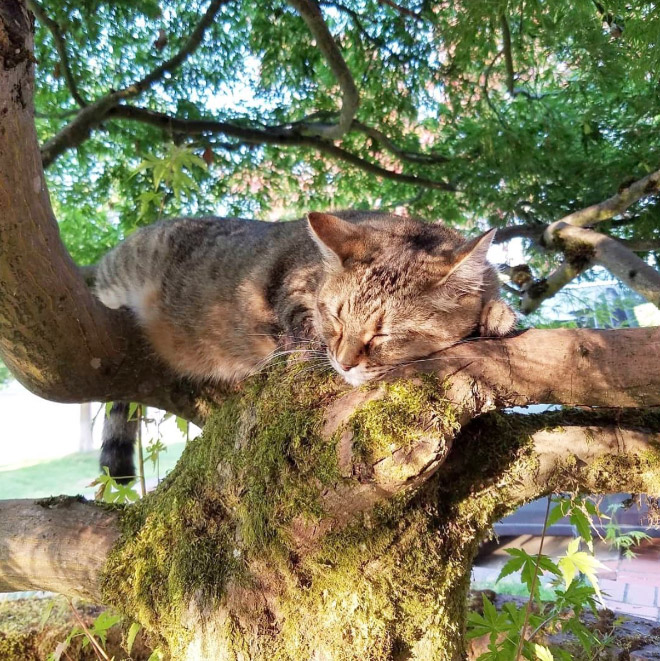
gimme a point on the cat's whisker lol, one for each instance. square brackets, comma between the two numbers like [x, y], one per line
[309, 355]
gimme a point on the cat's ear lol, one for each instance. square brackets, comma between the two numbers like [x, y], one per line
[338, 240]
[469, 263]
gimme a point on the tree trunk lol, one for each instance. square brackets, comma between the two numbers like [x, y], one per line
[311, 523]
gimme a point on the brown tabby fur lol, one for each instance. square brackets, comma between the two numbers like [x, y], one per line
[219, 297]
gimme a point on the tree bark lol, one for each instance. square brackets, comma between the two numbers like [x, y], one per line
[248, 549]
[309, 521]
[57, 544]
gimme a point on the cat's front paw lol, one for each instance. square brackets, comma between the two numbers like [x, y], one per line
[497, 319]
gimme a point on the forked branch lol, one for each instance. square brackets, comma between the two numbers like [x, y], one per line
[311, 14]
[80, 128]
[60, 45]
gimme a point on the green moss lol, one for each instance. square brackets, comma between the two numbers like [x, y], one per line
[16, 647]
[258, 464]
[176, 541]
[408, 411]
[391, 585]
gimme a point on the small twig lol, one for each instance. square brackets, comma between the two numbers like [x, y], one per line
[143, 484]
[100, 653]
[60, 46]
[401, 10]
[491, 105]
[528, 609]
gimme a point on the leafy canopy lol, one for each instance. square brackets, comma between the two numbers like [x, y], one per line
[530, 110]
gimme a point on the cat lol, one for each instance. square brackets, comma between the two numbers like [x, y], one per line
[218, 298]
[117, 442]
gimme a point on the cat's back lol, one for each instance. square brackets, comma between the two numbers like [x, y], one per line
[170, 254]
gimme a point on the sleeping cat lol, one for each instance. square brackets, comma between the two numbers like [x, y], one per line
[218, 298]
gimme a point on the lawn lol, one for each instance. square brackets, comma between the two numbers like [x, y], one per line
[71, 475]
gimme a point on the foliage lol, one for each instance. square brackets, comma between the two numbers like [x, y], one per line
[515, 631]
[575, 118]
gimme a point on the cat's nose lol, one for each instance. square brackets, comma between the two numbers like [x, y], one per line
[346, 367]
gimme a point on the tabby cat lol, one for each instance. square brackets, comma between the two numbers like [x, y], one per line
[220, 297]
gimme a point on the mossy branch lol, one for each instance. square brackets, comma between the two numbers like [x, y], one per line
[301, 498]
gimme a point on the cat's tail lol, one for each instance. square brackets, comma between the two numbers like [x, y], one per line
[117, 449]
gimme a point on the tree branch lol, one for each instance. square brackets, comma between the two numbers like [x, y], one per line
[285, 136]
[402, 10]
[60, 46]
[567, 449]
[532, 231]
[56, 544]
[615, 205]
[508, 57]
[641, 245]
[584, 247]
[393, 148]
[79, 129]
[62, 544]
[540, 290]
[189, 47]
[56, 338]
[572, 367]
[311, 14]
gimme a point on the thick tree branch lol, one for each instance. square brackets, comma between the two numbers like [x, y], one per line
[285, 136]
[57, 544]
[57, 339]
[641, 245]
[311, 14]
[573, 367]
[79, 129]
[60, 45]
[62, 544]
[615, 205]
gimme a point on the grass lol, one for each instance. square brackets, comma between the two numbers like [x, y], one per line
[71, 475]
[516, 589]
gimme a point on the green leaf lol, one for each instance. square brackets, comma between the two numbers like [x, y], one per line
[132, 634]
[542, 653]
[527, 564]
[556, 513]
[46, 614]
[132, 408]
[182, 425]
[582, 522]
[153, 451]
[578, 561]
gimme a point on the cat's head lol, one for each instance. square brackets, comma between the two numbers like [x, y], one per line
[395, 291]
